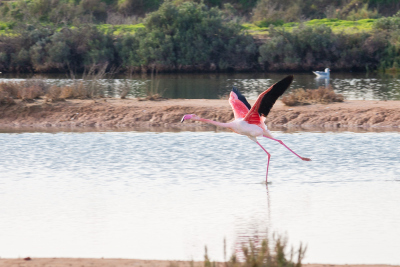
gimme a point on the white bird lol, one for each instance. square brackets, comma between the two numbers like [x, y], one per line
[322, 73]
[249, 121]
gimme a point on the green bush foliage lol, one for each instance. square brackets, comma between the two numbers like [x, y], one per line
[67, 12]
[308, 48]
[300, 10]
[188, 37]
[58, 12]
[45, 49]
[390, 26]
[137, 7]
[192, 36]
[388, 23]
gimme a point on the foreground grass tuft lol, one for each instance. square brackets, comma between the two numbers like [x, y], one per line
[267, 253]
[321, 95]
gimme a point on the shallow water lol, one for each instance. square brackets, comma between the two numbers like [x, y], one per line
[354, 86]
[167, 195]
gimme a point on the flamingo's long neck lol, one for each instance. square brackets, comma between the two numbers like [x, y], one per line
[216, 123]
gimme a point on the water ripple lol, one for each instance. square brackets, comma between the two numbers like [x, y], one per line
[166, 195]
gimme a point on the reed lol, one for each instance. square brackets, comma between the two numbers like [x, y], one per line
[265, 253]
[26, 90]
[5, 98]
[90, 86]
[87, 87]
[9, 89]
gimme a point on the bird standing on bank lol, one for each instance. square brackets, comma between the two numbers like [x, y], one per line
[249, 121]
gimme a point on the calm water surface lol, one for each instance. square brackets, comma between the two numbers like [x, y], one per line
[167, 195]
[354, 86]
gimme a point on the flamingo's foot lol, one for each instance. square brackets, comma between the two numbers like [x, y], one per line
[306, 159]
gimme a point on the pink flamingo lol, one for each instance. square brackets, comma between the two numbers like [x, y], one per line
[249, 120]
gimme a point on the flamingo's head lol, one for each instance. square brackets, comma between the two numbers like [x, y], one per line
[190, 116]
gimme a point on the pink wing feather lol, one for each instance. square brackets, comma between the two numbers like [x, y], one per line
[239, 108]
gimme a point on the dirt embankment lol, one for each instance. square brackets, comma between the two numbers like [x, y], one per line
[81, 262]
[165, 115]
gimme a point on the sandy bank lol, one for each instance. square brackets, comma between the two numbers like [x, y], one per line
[76, 262]
[117, 114]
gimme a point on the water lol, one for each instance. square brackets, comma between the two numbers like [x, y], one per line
[167, 195]
[354, 86]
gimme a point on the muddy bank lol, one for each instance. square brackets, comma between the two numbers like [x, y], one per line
[81, 262]
[131, 114]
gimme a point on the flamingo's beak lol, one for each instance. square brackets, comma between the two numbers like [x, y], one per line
[183, 118]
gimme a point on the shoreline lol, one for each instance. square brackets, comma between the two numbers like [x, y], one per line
[165, 115]
[83, 262]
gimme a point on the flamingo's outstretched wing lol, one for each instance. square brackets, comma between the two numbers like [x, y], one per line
[239, 104]
[266, 100]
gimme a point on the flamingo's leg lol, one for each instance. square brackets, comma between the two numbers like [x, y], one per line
[281, 142]
[269, 157]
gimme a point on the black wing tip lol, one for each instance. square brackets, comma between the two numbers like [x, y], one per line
[287, 80]
[273, 94]
[284, 84]
[241, 97]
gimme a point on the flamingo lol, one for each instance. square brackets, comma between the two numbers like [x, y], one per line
[249, 121]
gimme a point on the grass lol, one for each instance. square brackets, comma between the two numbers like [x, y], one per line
[263, 253]
[321, 95]
[346, 26]
[30, 90]
[89, 87]
[27, 90]
[6, 28]
[337, 26]
[120, 29]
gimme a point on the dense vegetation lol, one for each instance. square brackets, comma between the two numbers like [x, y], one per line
[308, 48]
[183, 35]
[128, 11]
[188, 37]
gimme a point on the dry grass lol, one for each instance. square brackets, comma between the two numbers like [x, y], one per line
[30, 89]
[26, 90]
[308, 96]
[155, 97]
[264, 253]
[76, 91]
[8, 91]
[30, 93]
[5, 98]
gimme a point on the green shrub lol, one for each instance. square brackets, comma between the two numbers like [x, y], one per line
[308, 48]
[138, 7]
[190, 36]
[388, 23]
[267, 22]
